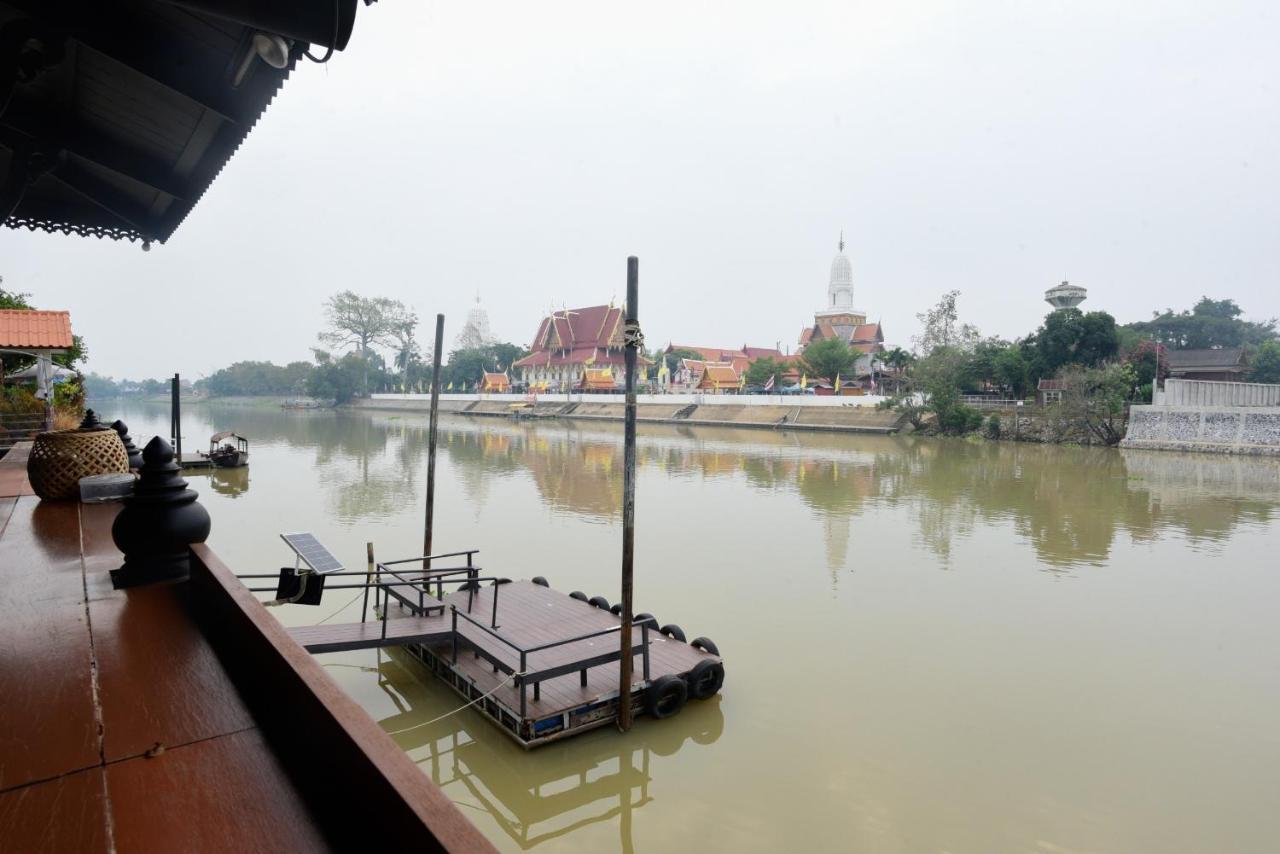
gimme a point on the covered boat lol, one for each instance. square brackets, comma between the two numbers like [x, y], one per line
[228, 450]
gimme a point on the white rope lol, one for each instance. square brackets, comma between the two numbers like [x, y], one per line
[460, 708]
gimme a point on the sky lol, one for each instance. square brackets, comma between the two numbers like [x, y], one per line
[521, 151]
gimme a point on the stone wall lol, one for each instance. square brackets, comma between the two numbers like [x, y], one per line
[1218, 429]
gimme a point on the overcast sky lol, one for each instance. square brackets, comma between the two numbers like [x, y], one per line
[522, 150]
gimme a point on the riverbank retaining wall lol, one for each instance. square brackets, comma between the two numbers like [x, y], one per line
[1216, 429]
[811, 413]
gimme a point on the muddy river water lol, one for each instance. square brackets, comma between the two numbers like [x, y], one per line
[930, 645]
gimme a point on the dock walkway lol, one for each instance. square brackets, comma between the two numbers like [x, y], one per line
[570, 687]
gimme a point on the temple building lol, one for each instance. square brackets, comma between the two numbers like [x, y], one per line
[568, 343]
[839, 318]
[475, 332]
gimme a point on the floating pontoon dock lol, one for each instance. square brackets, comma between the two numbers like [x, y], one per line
[541, 664]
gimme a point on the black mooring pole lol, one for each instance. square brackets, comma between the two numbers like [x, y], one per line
[431, 439]
[632, 342]
[177, 419]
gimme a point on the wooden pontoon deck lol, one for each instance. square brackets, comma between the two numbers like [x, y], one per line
[577, 687]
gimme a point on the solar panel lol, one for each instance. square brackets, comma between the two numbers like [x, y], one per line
[314, 555]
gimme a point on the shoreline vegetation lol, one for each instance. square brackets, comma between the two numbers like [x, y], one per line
[1076, 375]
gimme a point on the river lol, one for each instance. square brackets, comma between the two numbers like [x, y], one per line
[930, 645]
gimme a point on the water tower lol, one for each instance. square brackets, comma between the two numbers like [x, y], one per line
[1065, 295]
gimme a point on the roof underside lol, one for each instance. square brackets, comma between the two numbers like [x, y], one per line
[120, 115]
[1226, 357]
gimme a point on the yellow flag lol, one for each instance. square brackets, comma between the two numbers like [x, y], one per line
[449, 387]
[804, 381]
[837, 383]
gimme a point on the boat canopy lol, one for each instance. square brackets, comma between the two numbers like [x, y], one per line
[226, 434]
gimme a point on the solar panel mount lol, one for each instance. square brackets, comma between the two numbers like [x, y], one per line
[319, 559]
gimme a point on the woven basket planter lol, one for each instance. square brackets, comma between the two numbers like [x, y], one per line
[58, 460]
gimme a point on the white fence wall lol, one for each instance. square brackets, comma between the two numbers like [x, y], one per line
[1215, 393]
[663, 399]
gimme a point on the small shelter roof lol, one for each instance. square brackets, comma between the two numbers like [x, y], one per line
[23, 329]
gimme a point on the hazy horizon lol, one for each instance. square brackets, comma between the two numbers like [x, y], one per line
[523, 152]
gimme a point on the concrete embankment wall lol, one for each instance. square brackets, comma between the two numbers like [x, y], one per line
[1216, 429]
[798, 416]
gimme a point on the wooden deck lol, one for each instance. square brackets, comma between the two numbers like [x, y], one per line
[528, 616]
[177, 716]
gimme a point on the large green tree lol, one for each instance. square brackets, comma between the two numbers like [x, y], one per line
[827, 359]
[1071, 337]
[467, 366]
[1264, 364]
[764, 369]
[1210, 323]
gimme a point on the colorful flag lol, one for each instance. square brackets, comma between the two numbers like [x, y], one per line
[768, 386]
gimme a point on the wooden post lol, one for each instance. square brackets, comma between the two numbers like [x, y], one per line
[431, 439]
[632, 343]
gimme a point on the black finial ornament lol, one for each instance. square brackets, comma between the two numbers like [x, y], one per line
[91, 421]
[842, 240]
[158, 523]
[135, 455]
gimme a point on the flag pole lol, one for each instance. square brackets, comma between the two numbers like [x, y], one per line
[632, 342]
[431, 440]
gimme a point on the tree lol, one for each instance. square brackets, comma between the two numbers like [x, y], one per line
[942, 375]
[1209, 324]
[337, 380]
[827, 359]
[1265, 363]
[468, 366]
[366, 322]
[1011, 371]
[764, 369]
[898, 361]
[1071, 337]
[942, 327]
[1094, 400]
[673, 357]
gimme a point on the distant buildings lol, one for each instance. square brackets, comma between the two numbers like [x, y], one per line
[475, 332]
[570, 343]
[840, 319]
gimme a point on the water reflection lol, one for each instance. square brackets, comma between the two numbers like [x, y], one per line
[1069, 503]
[535, 796]
[231, 482]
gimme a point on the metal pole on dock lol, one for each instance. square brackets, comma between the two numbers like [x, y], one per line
[177, 420]
[632, 342]
[431, 439]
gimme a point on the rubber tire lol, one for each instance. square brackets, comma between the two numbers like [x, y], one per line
[665, 696]
[540, 581]
[647, 618]
[706, 645]
[501, 581]
[468, 585]
[674, 632]
[600, 602]
[705, 679]
[579, 595]
[616, 610]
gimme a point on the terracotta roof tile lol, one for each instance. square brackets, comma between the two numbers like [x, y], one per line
[37, 330]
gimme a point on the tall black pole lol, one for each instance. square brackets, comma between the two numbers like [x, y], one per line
[177, 419]
[431, 439]
[632, 341]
